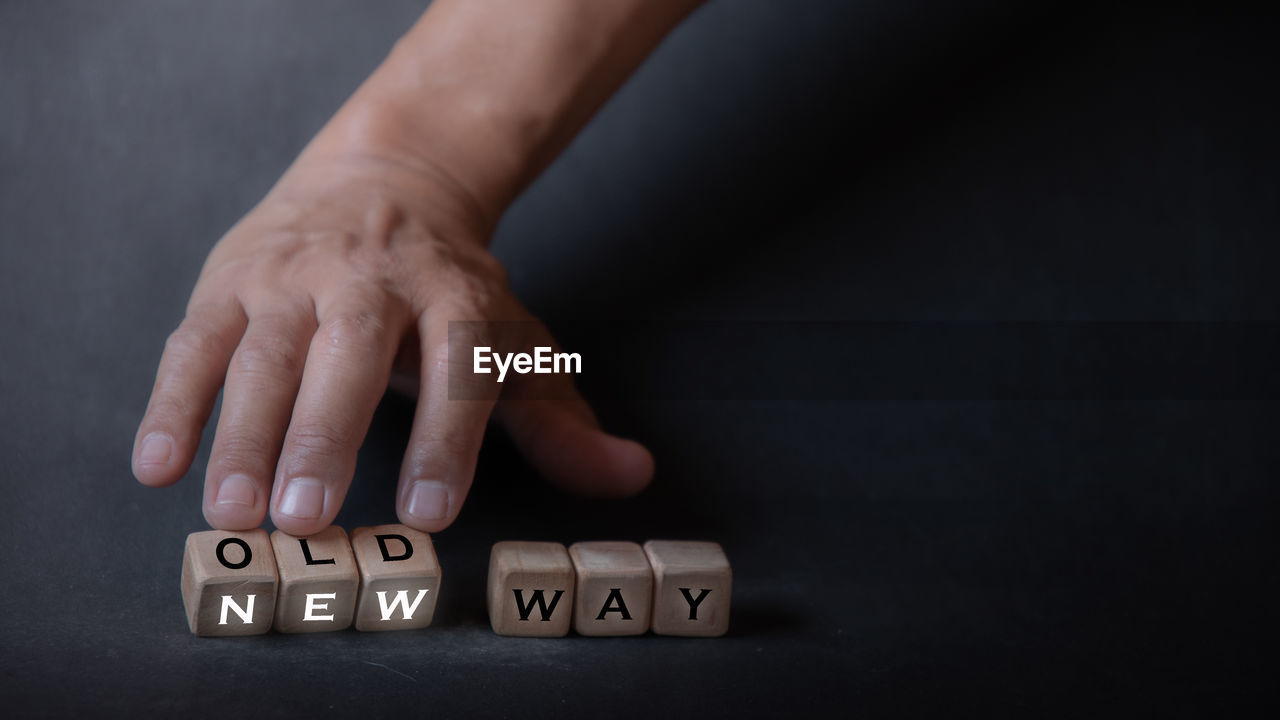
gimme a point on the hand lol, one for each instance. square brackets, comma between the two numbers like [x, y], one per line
[352, 262]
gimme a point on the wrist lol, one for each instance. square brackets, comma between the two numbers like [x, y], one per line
[377, 145]
[453, 132]
[481, 96]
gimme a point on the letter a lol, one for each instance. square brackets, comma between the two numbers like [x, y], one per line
[614, 604]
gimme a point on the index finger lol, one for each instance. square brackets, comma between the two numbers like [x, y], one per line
[191, 371]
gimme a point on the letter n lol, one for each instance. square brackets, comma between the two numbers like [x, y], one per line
[245, 613]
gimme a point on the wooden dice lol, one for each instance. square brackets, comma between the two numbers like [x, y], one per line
[388, 577]
[671, 587]
[229, 583]
[530, 589]
[244, 583]
[691, 584]
[615, 588]
[399, 578]
[318, 581]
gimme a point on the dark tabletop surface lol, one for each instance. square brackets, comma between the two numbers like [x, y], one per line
[953, 322]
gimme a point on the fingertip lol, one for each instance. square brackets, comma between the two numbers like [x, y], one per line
[603, 466]
[153, 460]
[224, 519]
[303, 507]
[297, 527]
[236, 503]
[427, 505]
[152, 477]
[632, 466]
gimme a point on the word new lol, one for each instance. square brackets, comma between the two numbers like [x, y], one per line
[245, 583]
[387, 578]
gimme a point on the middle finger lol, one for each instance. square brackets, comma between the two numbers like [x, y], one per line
[346, 373]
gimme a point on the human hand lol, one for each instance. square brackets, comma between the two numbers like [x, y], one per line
[355, 261]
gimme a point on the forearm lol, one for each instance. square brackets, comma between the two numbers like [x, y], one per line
[485, 93]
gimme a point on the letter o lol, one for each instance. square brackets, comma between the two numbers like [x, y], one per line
[222, 557]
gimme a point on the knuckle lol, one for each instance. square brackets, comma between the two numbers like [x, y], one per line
[464, 337]
[437, 358]
[470, 299]
[485, 269]
[169, 408]
[455, 307]
[190, 341]
[269, 355]
[451, 444]
[318, 437]
[496, 272]
[441, 453]
[242, 450]
[353, 328]
[473, 289]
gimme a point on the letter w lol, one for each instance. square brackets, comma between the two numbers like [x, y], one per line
[537, 599]
[402, 601]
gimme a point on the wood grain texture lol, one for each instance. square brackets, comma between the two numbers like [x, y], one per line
[692, 584]
[229, 582]
[318, 581]
[614, 588]
[399, 578]
[530, 590]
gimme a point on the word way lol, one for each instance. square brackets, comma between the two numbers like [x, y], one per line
[388, 577]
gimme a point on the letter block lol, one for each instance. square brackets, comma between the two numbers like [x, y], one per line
[530, 589]
[318, 581]
[691, 587]
[614, 588]
[229, 582]
[399, 578]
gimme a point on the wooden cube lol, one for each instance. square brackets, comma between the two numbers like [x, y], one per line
[318, 581]
[614, 588]
[399, 578]
[530, 589]
[691, 587]
[229, 582]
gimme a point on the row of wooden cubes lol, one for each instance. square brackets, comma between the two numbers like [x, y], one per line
[244, 583]
[672, 587]
[387, 578]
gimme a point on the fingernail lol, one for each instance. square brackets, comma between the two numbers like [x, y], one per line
[303, 498]
[236, 490]
[157, 448]
[428, 500]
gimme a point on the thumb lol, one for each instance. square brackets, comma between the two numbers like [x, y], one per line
[556, 431]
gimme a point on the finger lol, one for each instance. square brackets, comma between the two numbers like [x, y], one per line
[262, 383]
[191, 371]
[556, 431]
[406, 371]
[345, 375]
[440, 462]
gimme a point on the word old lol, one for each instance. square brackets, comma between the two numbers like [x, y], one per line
[388, 577]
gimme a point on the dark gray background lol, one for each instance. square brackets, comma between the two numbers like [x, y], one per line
[953, 322]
